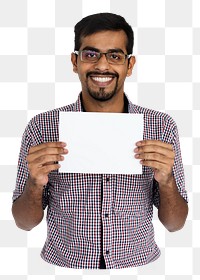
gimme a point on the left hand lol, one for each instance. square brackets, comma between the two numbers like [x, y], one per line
[157, 155]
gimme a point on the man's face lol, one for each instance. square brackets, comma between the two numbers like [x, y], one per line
[102, 80]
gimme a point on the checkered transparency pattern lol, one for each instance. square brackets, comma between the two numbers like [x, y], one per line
[36, 75]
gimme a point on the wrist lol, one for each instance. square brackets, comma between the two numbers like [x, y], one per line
[32, 189]
[169, 186]
[32, 183]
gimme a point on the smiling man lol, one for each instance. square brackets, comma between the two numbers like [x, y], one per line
[101, 220]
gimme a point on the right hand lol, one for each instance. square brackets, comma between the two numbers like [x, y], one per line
[42, 159]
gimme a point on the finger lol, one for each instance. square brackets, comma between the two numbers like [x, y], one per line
[167, 169]
[50, 163]
[155, 157]
[155, 149]
[45, 152]
[47, 145]
[45, 170]
[44, 160]
[40, 175]
[154, 143]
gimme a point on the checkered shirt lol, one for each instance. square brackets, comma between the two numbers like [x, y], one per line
[74, 212]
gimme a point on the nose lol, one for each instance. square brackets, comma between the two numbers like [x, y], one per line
[102, 64]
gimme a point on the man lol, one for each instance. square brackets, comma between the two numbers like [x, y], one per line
[98, 220]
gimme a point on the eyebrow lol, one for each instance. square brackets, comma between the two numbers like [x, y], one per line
[97, 50]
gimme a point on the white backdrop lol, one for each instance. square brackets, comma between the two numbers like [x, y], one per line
[36, 40]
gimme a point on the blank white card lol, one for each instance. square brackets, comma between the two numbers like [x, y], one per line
[100, 143]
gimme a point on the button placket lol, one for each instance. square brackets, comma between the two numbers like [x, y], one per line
[107, 199]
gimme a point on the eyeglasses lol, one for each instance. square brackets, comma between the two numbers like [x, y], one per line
[90, 56]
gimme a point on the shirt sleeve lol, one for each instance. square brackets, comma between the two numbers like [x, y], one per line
[170, 135]
[31, 137]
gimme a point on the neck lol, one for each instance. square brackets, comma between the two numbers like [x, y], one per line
[114, 105]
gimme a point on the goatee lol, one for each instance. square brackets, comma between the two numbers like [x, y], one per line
[101, 94]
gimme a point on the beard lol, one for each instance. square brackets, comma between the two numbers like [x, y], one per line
[102, 94]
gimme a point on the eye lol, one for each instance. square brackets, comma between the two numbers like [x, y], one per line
[115, 56]
[90, 54]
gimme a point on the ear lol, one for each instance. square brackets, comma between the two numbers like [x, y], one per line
[131, 64]
[74, 62]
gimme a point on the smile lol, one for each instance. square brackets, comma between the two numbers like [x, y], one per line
[102, 79]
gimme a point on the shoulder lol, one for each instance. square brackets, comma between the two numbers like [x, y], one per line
[157, 125]
[151, 115]
[52, 116]
[44, 127]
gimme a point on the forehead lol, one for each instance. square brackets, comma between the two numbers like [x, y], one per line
[105, 40]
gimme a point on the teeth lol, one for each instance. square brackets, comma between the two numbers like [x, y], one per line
[102, 79]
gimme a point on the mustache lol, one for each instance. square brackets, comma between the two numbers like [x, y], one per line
[96, 73]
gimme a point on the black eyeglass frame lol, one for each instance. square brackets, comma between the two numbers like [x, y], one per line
[126, 56]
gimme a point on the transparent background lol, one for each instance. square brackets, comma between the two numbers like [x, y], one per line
[36, 40]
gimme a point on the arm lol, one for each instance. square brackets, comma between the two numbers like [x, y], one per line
[173, 209]
[27, 209]
[42, 159]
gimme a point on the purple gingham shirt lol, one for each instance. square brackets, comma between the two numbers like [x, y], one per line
[75, 212]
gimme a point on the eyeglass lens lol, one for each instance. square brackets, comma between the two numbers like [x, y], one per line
[112, 57]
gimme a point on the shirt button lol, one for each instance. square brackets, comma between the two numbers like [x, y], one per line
[106, 215]
[107, 252]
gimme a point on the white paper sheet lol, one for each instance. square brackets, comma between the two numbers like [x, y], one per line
[100, 143]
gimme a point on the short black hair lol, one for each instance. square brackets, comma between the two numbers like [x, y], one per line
[103, 22]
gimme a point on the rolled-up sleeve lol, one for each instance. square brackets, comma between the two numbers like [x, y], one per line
[29, 139]
[171, 135]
